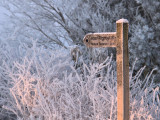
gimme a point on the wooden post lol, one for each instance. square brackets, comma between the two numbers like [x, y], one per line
[122, 70]
[120, 41]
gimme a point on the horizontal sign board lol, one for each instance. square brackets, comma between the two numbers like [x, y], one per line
[100, 39]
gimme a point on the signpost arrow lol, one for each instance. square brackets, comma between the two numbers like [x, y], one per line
[100, 39]
[118, 39]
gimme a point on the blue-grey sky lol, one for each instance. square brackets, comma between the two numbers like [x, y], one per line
[3, 17]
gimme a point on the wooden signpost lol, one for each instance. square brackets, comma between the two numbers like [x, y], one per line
[119, 40]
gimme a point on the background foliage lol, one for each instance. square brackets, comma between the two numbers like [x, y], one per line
[34, 71]
[64, 23]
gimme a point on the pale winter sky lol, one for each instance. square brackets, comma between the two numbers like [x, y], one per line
[3, 18]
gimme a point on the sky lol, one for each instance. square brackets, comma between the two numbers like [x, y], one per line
[3, 17]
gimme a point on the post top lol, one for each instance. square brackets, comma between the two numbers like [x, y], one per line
[122, 21]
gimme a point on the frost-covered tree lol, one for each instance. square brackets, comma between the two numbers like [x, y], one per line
[144, 42]
[64, 23]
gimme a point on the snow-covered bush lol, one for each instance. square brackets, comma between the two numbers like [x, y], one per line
[5, 82]
[43, 84]
[144, 97]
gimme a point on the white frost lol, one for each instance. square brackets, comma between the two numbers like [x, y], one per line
[122, 21]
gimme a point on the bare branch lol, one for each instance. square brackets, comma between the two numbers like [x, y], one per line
[39, 29]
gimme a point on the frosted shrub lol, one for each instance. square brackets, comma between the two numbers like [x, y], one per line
[5, 83]
[45, 85]
[144, 97]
